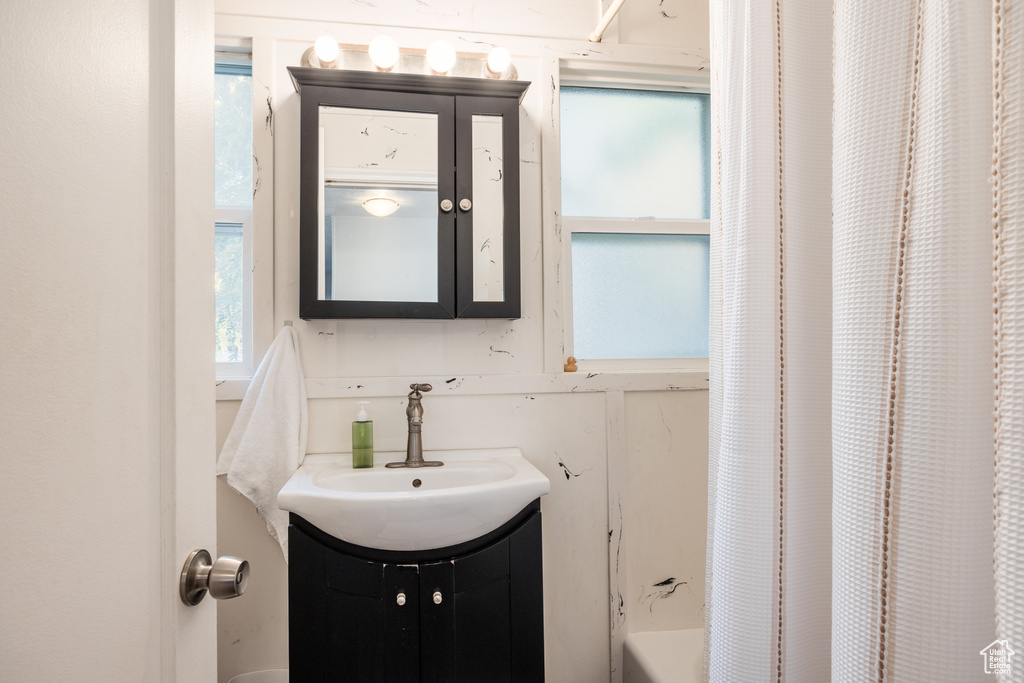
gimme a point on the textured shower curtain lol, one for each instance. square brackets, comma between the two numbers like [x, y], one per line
[866, 481]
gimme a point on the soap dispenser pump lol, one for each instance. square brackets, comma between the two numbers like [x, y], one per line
[362, 438]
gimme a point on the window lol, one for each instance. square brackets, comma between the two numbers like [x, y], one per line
[233, 347]
[635, 174]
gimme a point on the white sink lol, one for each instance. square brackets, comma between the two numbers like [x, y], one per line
[413, 508]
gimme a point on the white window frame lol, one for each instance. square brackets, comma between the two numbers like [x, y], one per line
[559, 341]
[232, 379]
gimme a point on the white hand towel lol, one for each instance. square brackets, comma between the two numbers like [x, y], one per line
[268, 439]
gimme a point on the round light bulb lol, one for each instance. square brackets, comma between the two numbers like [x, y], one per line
[498, 60]
[441, 56]
[326, 49]
[383, 53]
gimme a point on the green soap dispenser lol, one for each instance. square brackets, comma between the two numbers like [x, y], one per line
[362, 438]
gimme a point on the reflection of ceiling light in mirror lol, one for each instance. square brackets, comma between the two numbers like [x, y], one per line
[326, 49]
[380, 206]
[498, 60]
[383, 53]
[441, 56]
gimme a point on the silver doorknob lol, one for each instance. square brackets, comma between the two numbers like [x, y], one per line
[446, 205]
[437, 597]
[225, 578]
[465, 205]
[400, 599]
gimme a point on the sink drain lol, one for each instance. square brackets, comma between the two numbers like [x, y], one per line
[416, 483]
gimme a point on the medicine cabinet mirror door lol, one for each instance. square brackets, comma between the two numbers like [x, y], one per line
[380, 169]
[487, 227]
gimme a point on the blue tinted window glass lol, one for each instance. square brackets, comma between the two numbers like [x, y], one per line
[232, 138]
[635, 153]
[229, 297]
[640, 296]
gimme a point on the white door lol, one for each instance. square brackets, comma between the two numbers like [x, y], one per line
[106, 392]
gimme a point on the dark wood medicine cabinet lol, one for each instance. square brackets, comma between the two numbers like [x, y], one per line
[409, 195]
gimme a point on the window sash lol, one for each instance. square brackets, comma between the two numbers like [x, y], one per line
[572, 225]
[233, 66]
[653, 226]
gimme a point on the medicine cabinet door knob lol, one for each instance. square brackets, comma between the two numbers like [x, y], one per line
[400, 599]
[223, 579]
[446, 205]
[437, 597]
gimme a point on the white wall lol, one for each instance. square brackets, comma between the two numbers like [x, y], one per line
[604, 440]
[671, 23]
[665, 500]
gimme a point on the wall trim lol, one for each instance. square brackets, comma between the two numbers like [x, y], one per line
[474, 385]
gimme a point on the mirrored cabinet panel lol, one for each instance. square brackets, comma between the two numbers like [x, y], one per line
[377, 205]
[488, 173]
[409, 203]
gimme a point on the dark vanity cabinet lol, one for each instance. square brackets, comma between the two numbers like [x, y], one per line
[472, 612]
[409, 195]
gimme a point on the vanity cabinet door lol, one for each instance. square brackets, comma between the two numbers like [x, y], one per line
[356, 619]
[307, 607]
[400, 645]
[437, 623]
[526, 600]
[489, 625]
[372, 621]
[483, 624]
[350, 619]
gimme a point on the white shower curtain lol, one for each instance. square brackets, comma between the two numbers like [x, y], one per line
[866, 483]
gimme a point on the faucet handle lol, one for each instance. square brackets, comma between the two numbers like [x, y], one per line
[417, 388]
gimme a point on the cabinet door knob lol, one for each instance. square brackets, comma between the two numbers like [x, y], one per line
[400, 599]
[465, 205]
[437, 597]
[446, 205]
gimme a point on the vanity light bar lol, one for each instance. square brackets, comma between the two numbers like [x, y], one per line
[383, 54]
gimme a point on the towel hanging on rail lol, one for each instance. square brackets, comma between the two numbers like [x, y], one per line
[267, 442]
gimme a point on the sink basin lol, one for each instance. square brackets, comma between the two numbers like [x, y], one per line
[413, 508]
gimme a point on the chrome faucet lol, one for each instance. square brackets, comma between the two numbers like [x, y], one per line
[414, 450]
